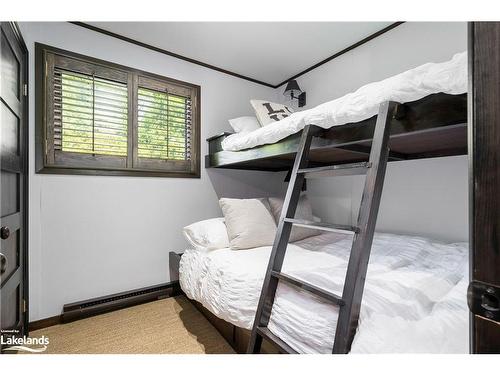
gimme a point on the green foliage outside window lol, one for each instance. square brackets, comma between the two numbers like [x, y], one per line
[94, 119]
[161, 125]
[94, 115]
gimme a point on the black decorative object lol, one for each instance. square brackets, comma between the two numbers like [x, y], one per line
[293, 89]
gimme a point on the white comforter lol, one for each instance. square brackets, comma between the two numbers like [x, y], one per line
[449, 77]
[414, 299]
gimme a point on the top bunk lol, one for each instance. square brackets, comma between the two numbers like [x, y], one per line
[433, 126]
[431, 121]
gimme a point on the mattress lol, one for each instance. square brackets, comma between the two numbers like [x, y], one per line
[414, 299]
[449, 77]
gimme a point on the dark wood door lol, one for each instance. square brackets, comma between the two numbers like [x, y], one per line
[484, 142]
[13, 182]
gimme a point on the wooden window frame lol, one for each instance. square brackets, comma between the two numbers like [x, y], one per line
[50, 162]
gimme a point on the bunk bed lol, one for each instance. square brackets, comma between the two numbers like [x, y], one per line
[434, 125]
[428, 120]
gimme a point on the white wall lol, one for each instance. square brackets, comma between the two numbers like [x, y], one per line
[92, 236]
[427, 197]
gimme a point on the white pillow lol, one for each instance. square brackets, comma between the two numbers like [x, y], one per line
[249, 222]
[208, 234]
[303, 211]
[268, 112]
[244, 124]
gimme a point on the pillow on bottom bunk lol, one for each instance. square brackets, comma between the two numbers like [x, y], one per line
[249, 222]
[208, 234]
[304, 212]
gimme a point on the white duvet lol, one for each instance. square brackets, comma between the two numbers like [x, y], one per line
[449, 77]
[414, 299]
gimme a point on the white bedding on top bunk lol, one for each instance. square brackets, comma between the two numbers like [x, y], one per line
[414, 299]
[449, 77]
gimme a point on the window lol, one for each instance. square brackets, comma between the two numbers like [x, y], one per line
[95, 117]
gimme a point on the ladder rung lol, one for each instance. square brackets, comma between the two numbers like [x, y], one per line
[332, 297]
[322, 226]
[283, 346]
[336, 170]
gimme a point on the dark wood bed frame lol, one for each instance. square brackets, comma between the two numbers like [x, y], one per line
[434, 126]
[237, 337]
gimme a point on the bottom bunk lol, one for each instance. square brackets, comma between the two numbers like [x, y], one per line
[414, 300]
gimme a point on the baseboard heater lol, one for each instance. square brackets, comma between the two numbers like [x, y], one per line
[84, 309]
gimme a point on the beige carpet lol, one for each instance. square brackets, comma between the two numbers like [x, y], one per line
[171, 325]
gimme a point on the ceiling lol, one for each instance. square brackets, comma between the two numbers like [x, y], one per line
[270, 52]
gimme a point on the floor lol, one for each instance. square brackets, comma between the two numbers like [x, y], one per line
[168, 326]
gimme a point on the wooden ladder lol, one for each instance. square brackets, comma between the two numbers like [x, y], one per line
[350, 301]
